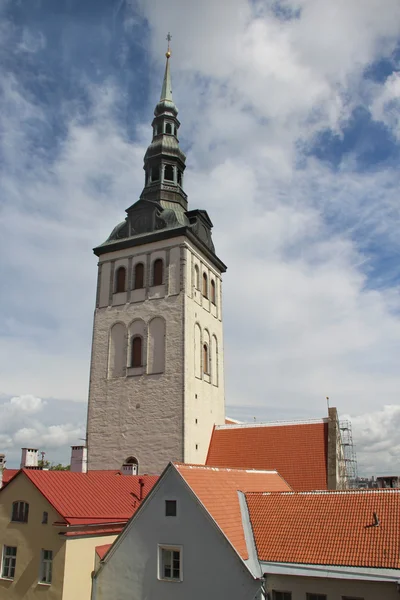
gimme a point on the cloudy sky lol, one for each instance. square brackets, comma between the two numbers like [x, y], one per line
[290, 115]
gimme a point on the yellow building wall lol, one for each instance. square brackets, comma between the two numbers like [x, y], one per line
[30, 538]
[79, 564]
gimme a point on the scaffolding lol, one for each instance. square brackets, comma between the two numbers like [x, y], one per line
[349, 454]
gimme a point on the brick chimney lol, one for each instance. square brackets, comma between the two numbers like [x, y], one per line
[79, 459]
[29, 458]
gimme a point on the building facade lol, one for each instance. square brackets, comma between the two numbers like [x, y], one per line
[157, 377]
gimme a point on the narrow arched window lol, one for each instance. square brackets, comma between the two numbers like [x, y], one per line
[20, 512]
[120, 280]
[169, 173]
[179, 177]
[213, 291]
[139, 276]
[168, 128]
[136, 352]
[196, 277]
[206, 360]
[205, 285]
[158, 272]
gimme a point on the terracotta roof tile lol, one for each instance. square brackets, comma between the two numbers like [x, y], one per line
[328, 528]
[8, 474]
[217, 489]
[298, 451]
[95, 497]
[101, 551]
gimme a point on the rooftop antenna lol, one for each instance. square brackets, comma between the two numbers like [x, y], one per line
[327, 401]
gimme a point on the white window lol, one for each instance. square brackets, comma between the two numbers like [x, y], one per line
[9, 562]
[170, 563]
[46, 566]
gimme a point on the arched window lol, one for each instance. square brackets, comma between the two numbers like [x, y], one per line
[206, 360]
[179, 177]
[169, 173]
[136, 352]
[168, 128]
[213, 291]
[130, 466]
[156, 346]
[155, 173]
[196, 277]
[20, 512]
[158, 272]
[139, 276]
[120, 280]
[205, 285]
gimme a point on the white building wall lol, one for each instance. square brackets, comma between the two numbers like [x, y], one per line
[153, 413]
[334, 589]
[211, 568]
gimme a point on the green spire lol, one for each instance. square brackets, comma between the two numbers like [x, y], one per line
[166, 92]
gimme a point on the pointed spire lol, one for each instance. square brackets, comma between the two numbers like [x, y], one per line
[166, 92]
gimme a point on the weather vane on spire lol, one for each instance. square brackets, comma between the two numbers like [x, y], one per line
[168, 38]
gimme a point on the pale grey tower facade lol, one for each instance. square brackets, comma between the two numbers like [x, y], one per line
[157, 370]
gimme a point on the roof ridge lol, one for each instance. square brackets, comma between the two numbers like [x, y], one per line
[179, 465]
[272, 424]
[328, 492]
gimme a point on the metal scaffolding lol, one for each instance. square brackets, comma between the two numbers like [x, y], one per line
[349, 453]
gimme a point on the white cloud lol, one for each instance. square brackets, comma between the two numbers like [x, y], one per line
[386, 105]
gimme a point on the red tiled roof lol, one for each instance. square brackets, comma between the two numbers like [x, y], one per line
[229, 421]
[8, 474]
[298, 451]
[328, 528]
[101, 551]
[217, 489]
[95, 497]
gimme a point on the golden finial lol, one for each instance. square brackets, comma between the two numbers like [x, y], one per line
[168, 52]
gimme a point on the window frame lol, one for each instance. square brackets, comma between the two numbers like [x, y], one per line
[160, 562]
[46, 568]
[169, 169]
[280, 595]
[25, 510]
[157, 261]
[12, 564]
[315, 596]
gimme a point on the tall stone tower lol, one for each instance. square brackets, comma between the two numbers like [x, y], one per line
[157, 371]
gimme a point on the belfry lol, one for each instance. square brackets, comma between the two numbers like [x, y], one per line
[157, 370]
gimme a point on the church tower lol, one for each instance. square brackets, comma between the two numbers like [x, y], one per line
[157, 371]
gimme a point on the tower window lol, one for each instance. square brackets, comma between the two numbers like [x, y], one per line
[169, 173]
[158, 272]
[136, 352]
[175, 130]
[120, 280]
[155, 174]
[213, 291]
[168, 128]
[205, 285]
[179, 177]
[196, 277]
[139, 276]
[206, 360]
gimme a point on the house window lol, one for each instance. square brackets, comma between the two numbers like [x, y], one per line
[196, 277]
[213, 291]
[139, 276]
[20, 512]
[45, 518]
[316, 597]
[158, 272]
[9, 562]
[136, 352]
[120, 280]
[46, 566]
[205, 285]
[170, 563]
[170, 508]
[281, 595]
[206, 360]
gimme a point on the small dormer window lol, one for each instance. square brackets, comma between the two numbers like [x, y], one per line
[20, 512]
[169, 173]
[168, 128]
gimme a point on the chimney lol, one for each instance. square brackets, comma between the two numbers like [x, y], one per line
[29, 458]
[2, 466]
[129, 469]
[79, 459]
[141, 484]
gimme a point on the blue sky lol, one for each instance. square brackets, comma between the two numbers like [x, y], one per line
[290, 117]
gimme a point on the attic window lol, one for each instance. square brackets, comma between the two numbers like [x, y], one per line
[45, 518]
[20, 512]
[170, 508]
